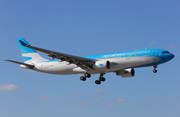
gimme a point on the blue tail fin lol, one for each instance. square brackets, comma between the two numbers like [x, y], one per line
[29, 55]
[23, 49]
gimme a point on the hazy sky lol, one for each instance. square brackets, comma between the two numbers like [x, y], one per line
[90, 27]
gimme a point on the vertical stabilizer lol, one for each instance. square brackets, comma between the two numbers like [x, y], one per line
[29, 55]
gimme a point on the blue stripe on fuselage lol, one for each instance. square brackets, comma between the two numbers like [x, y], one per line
[139, 53]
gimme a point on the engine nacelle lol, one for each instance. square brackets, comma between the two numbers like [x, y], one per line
[102, 65]
[126, 72]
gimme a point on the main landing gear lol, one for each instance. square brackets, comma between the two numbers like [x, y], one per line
[155, 71]
[101, 78]
[86, 75]
[83, 78]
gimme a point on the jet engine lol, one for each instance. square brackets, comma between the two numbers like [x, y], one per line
[126, 72]
[102, 65]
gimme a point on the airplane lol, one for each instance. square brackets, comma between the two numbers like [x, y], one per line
[122, 63]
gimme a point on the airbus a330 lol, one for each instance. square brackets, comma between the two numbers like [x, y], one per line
[121, 63]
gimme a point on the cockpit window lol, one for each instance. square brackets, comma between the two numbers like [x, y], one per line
[165, 52]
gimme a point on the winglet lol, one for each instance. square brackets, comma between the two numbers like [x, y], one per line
[22, 43]
[23, 46]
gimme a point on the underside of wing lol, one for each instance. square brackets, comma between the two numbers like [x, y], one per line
[84, 63]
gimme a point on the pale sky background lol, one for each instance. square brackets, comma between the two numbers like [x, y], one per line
[90, 27]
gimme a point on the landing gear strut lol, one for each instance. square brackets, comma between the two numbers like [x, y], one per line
[83, 78]
[101, 78]
[155, 71]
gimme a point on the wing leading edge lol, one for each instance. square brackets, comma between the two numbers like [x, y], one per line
[84, 63]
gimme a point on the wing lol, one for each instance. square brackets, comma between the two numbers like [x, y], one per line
[84, 63]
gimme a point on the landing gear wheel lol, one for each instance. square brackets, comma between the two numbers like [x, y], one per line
[83, 78]
[155, 71]
[98, 82]
[88, 75]
[102, 79]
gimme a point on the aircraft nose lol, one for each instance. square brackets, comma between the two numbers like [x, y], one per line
[171, 56]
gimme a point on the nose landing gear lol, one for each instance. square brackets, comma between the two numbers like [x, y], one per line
[155, 71]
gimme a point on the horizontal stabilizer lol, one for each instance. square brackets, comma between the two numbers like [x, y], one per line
[28, 65]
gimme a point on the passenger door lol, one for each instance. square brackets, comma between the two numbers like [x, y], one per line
[46, 64]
